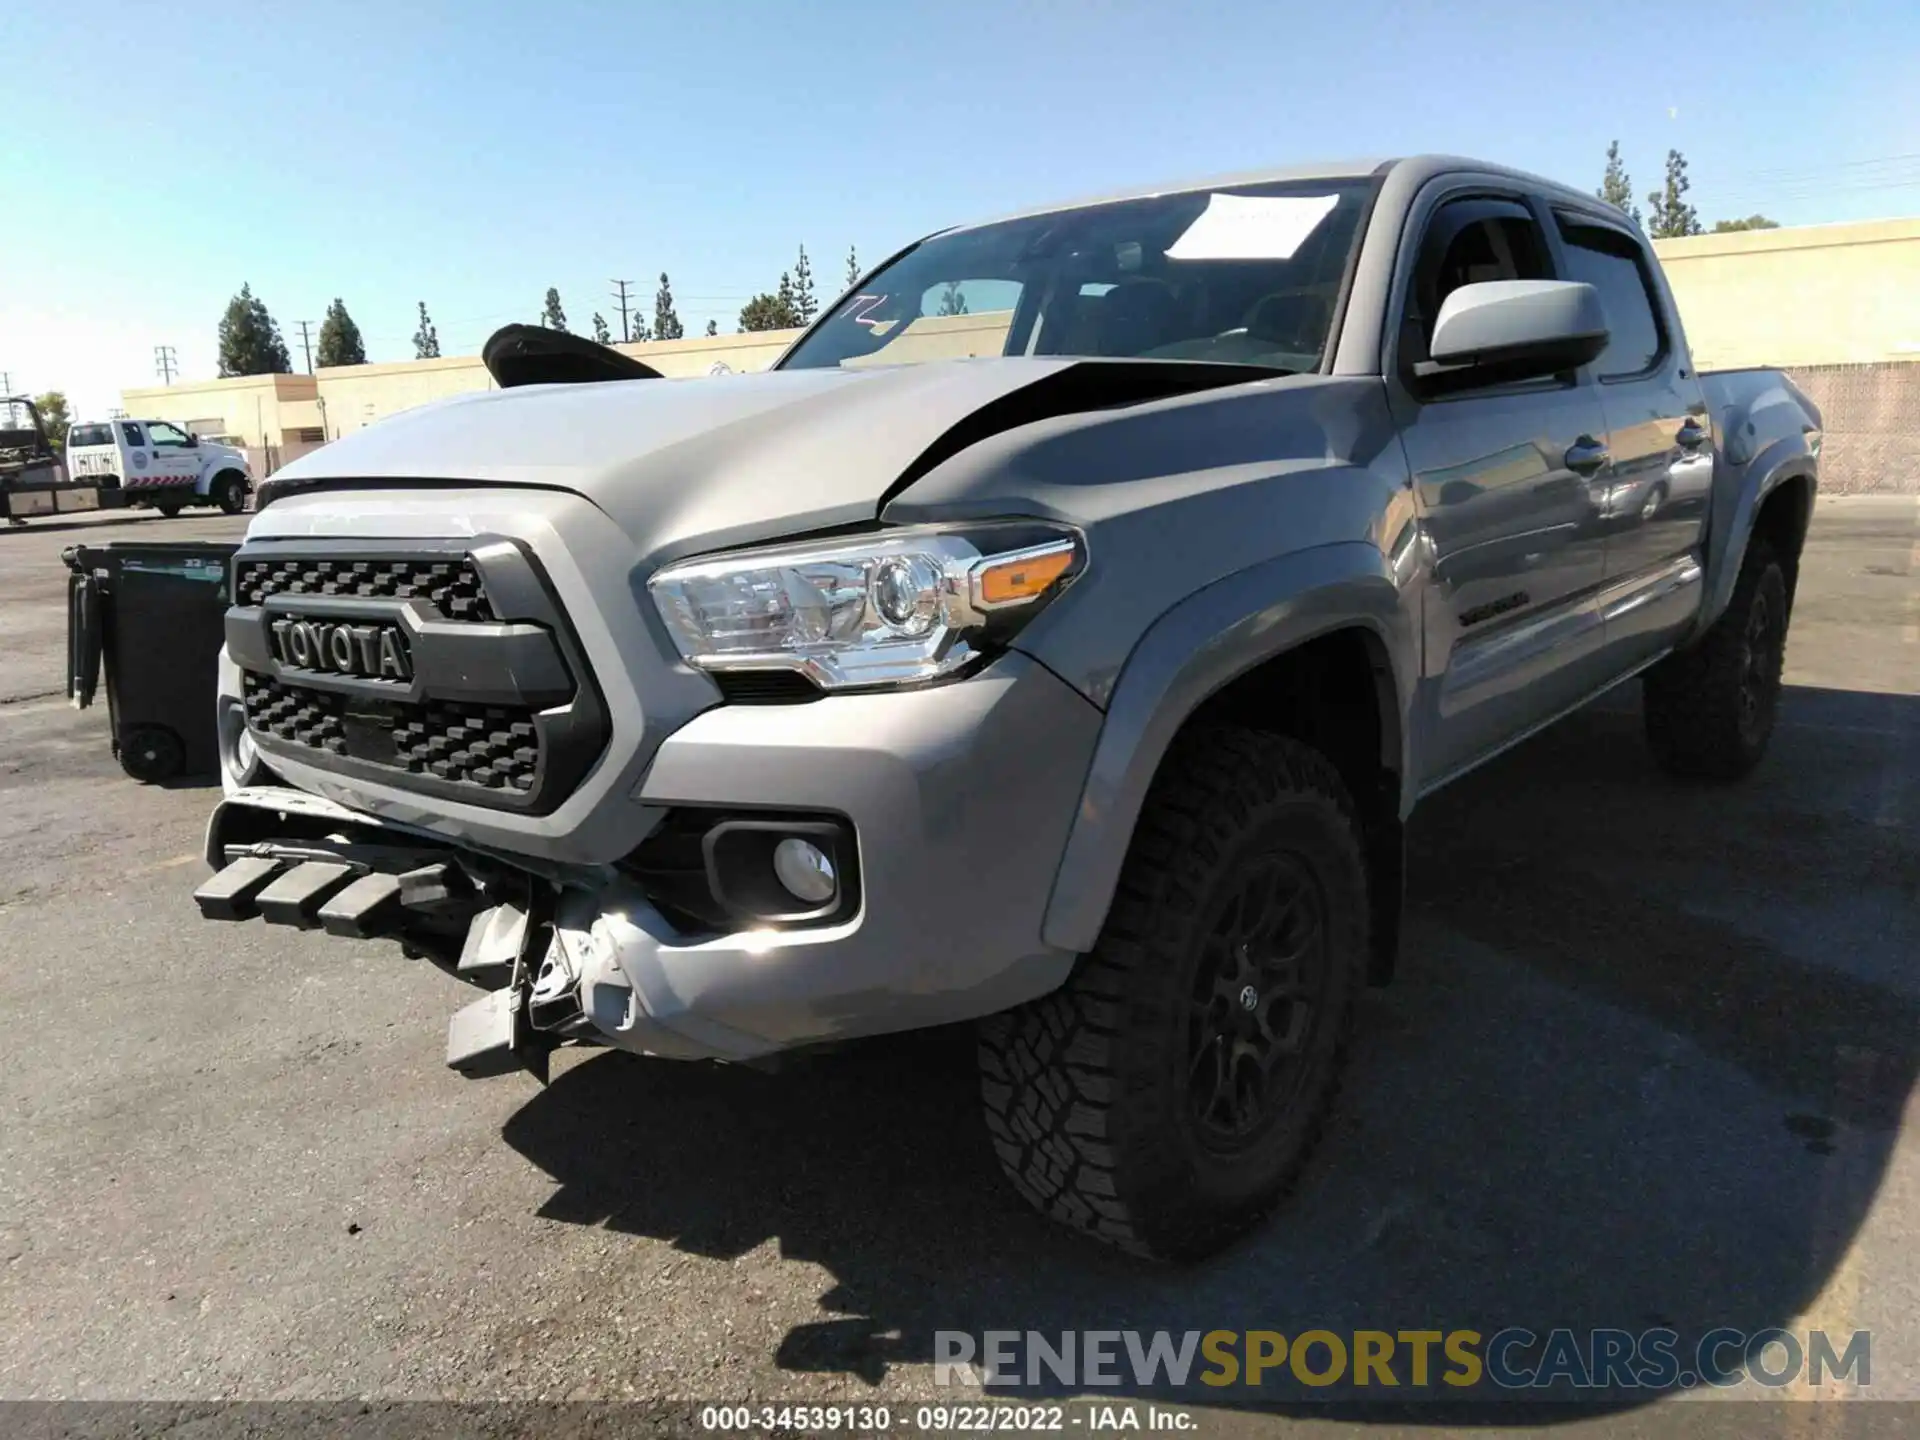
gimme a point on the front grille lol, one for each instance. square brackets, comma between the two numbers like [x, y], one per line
[490, 745]
[306, 717]
[453, 587]
[500, 709]
[493, 747]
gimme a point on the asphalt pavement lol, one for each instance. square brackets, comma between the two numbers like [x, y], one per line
[1650, 1060]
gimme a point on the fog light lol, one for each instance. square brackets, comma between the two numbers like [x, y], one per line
[805, 870]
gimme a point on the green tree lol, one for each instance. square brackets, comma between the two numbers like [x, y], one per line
[666, 320]
[765, 312]
[952, 302]
[340, 342]
[552, 316]
[1752, 222]
[853, 268]
[805, 305]
[54, 416]
[426, 340]
[713, 328]
[601, 334]
[1615, 186]
[1668, 214]
[783, 297]
[250, 342]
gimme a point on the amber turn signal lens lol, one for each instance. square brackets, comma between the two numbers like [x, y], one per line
[1022, 578]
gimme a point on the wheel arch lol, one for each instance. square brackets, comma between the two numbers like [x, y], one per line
[1287, 645]
[1779, 505]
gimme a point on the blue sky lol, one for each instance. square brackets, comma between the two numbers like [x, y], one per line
[470, 155]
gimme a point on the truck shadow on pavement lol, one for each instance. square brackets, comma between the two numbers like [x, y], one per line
[1643, 1065]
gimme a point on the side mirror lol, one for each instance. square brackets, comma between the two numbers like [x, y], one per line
[193, 442]
[1519, 328]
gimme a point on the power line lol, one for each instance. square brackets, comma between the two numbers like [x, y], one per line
[1798, 172]
[620, 295]
[164, 362]
[304, 345]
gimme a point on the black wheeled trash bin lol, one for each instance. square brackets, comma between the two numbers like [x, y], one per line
[154, 616]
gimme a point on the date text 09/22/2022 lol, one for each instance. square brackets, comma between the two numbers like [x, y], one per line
[963, 1419]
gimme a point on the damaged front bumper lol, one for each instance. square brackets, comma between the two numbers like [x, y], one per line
[954, 803]
[561, 963]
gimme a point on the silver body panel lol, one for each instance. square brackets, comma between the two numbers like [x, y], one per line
[1501, 585]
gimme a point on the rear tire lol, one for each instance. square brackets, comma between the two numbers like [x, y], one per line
[169, 507]
[1710, 709]
[151, 753]
[1167, 1097]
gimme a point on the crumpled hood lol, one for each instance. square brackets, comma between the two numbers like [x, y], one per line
[680, 464]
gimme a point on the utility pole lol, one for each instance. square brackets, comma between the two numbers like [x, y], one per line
[303, 324]
[164, 362]
[620, 295]
[6, 382]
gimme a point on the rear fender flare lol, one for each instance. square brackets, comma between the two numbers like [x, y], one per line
[1192, 651]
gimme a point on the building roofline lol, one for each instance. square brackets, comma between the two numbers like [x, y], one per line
[278, 381]
[1790, 237]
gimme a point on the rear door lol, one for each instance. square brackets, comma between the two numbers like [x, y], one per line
[137, 472]
[1505, 479]
[1654, 507]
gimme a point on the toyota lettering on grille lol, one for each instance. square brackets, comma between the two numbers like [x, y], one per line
[366, 651]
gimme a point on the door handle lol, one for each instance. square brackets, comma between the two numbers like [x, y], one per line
[1586, 455]
[1691, 435]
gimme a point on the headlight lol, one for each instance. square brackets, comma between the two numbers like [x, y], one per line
[889, 608]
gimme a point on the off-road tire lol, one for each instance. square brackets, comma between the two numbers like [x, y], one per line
[1089, 1091]
[229, 492]
[1710, 709]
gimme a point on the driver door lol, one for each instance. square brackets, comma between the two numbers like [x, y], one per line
[175, 458]
[1505, 481]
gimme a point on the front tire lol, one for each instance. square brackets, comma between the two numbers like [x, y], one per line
[230, 493]
[1166, 1097]
[1710, 709]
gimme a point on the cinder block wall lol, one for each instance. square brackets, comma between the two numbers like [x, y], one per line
[1872, 437]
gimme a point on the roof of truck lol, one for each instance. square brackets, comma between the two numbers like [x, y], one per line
[1360, 169]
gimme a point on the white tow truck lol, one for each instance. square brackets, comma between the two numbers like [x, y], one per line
[157, 464]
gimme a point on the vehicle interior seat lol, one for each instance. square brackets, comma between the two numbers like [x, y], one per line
[1292, 320]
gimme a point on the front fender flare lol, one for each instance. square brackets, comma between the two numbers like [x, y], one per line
[1786, 460]
[1192, 651]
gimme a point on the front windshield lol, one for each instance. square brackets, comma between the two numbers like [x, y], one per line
[1247, 275]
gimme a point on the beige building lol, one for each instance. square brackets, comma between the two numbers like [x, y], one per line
[1838, 305]
[1805, 295]
[281, 411]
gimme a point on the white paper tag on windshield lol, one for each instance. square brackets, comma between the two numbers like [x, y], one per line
[1252, 227]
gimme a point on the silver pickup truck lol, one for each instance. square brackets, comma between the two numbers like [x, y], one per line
[1077, 682]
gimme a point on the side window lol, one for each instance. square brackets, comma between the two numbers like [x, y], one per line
[132, 431]
[1611, 262]
[161, 433]
[1466, 242]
